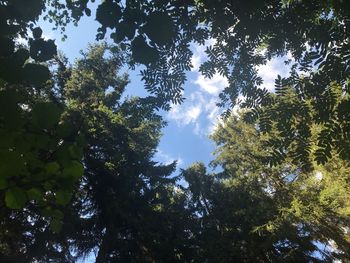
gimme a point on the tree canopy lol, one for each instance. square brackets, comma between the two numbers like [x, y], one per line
[76, 168]
[247, 34]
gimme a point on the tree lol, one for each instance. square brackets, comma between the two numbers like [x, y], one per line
[252, 211]
[125, 204]
[125, 198]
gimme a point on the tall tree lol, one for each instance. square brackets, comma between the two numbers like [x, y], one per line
[125, 195]
[125, 206]
[252, 211]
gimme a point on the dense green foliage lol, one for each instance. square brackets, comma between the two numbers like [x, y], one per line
[76, 169]
[247, 34]
[281, 210]
[121, 186]
[41, 144]
[315, 34]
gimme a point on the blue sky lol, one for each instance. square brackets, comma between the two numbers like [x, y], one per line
[186, 137]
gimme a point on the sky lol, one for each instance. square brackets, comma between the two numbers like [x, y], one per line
[186, 136]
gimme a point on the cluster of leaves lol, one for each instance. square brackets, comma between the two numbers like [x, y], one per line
[290, 115]
[40, 144]
[154, 33]
[247, 34]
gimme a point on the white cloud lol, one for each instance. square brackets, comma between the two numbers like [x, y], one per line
[192, 113]
[196, 61]
[271, 69]
[212, 86]
[185, 115]
[213, 115]
[199, 53]
[199, 111]
[165, 158]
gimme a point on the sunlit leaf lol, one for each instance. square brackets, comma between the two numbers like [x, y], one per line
[15, 198]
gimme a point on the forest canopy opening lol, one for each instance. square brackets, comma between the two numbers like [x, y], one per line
[77, 168]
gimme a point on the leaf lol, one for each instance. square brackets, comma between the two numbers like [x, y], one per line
[28, 10]
[11, 164]
[35, 194]
[159, 28]
[3, 183]
[108, 14]
[75, 152]
[73, 169]
[46, 114]
[35, 74]
[6, 46]
[142, 52]
[42, 50]
[15, 198]
[65, 129]
[57, 214]
[56, 226]
[52, 167]
[37, 32]
[20, 56]
[9, 110]
[87, 11]
[124, 30]
[63, 197]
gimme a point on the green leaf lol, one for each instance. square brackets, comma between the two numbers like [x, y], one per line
[124, 30]
[142, 52]
[63, 197]
[108, 14]
[73, 169]
[15, 198]
[3, 183]
[52, 168]
[35, 194]
[37, 32]
[6, 46]
[35, 74]
[46, 114]
[20, 56]
[11, 164]
[75, 152]
[48, 185]
[28, 10]
[64, 129]
[9, 109]
[160, 28]
[42, 50]
[57, 214]
[56, 225]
